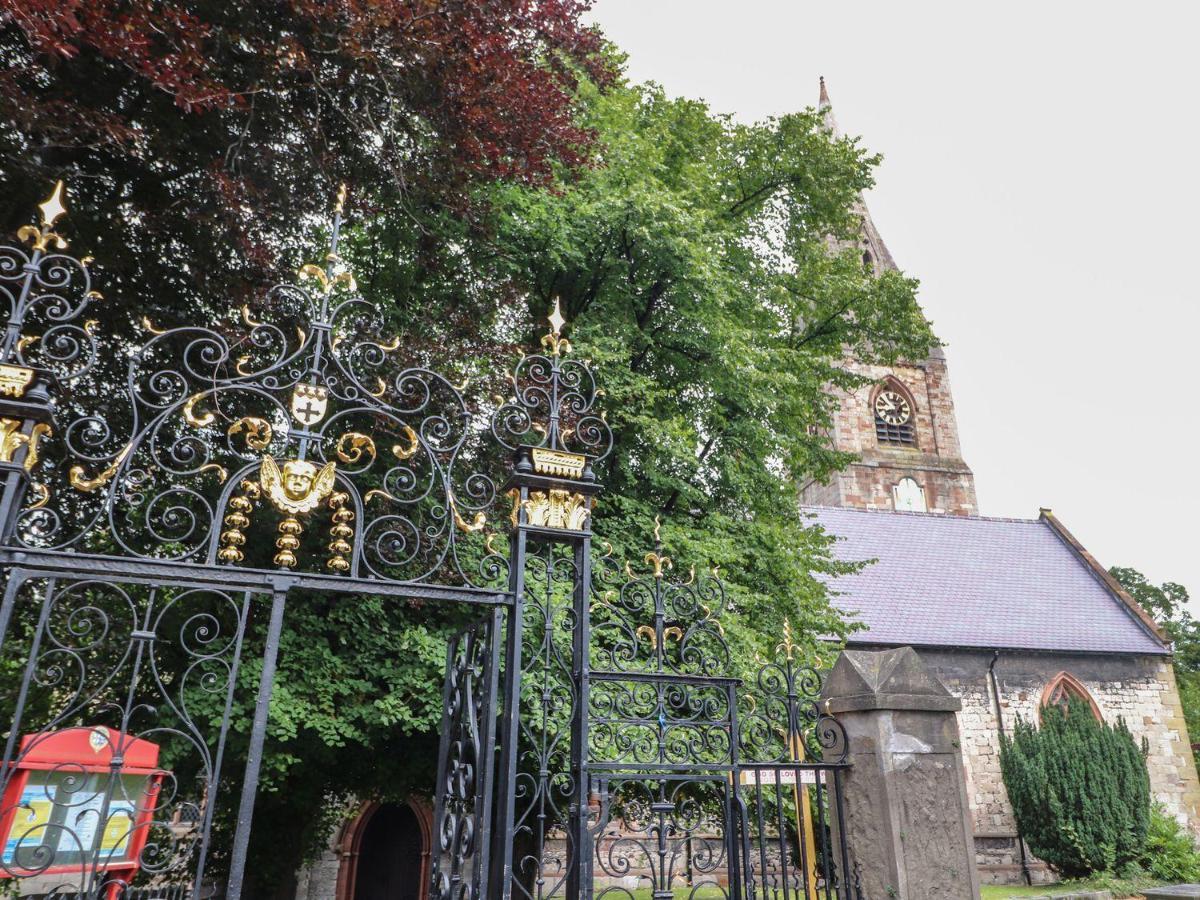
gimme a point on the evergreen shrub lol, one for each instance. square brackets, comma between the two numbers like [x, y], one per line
[1079, 789]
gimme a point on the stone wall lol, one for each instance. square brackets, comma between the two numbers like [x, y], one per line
[1139, 689]
[935, 461]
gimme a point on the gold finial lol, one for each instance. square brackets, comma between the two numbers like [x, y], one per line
[556, 317]
[787, 645]
[341, 199]
[657, 530]
[53, 207]
[554, 341]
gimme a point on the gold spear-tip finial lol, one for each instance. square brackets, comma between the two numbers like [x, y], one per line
[554, 341]
[555, 318]
[341, 199]
[53, 207]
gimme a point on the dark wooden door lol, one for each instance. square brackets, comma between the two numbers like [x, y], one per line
[389, 859]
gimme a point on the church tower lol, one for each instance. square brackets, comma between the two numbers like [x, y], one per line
[901, 426]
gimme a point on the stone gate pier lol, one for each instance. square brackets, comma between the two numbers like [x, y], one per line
[907, 820]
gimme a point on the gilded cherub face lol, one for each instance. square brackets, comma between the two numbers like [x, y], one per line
[298, 478]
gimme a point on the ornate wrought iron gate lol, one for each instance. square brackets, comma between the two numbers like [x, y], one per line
[165, 502]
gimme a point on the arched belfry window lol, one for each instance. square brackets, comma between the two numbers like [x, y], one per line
[895, 414]
[1065, 687]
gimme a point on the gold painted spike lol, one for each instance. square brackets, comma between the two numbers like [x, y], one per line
[708, 617]
[189, 413]
[353, 446]
[340, 206]
[53, 206]
[555, 318]
[657, 530]
[488, 543]
[81, 482]
[376, 492]
[414, 444]
[149, 326]
[787, 645]
[222, 472]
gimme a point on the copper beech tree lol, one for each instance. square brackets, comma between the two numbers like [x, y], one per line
[200, 132]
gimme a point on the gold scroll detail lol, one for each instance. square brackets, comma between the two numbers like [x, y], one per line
[648, 630]
[469, 527]
[41, 494]
[15, 379]
[299, 487]
[414, 444]
[258, 431]
[659, 563]
[194, 419]
[81, 482]
[557, 509]
[12, 440]
[341, 532]
[555, 462]
[353, 445]
[308, 270]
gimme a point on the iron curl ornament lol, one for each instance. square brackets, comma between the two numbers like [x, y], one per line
[293, 440]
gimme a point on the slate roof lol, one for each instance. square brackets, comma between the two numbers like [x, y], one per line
[979, 582]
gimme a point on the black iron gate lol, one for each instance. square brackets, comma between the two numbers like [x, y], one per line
[165, 501]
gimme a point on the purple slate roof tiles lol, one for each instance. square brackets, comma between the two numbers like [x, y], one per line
[974, 582]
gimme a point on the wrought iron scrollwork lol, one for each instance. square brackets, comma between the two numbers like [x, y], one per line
[159, 468]
[145, 677]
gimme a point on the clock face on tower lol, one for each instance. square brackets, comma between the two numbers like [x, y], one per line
[892, 408]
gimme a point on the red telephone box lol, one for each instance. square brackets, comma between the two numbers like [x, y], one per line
[61, 785]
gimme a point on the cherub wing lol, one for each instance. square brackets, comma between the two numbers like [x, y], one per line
[272, 481]
[324, 482]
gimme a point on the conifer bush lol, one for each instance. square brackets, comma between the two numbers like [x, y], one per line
[1079, 789]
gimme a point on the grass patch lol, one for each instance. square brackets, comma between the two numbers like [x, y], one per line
[1119, 888]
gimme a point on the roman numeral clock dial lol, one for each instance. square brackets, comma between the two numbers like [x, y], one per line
[892, 408]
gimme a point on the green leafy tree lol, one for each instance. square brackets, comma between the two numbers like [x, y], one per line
[694, 261]
[1168, 604]
[1079, 790]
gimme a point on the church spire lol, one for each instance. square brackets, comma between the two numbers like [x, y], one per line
[874, 250]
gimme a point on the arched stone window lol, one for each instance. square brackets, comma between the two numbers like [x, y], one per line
[895, 414]
[1062, 688]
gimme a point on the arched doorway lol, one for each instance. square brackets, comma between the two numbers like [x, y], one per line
[385, 852]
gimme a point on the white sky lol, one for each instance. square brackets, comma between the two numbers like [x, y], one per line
[1040, 178]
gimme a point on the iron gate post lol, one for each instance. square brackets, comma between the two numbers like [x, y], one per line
[579, 881]
[258, 731]
[502, 835]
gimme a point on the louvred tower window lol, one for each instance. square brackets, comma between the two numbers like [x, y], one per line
[894, 417]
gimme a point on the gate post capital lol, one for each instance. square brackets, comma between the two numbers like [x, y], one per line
[907, 820]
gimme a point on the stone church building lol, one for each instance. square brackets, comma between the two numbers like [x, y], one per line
[1012, 614]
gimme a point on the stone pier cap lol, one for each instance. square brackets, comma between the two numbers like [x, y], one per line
[864, 680]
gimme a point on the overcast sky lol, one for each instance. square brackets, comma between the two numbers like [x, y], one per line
[1041, 175]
